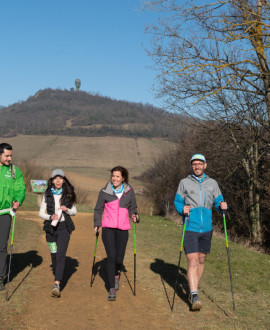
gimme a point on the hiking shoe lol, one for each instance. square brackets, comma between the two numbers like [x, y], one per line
[112, 294]
[196, 303]
[56, 291]
[117, 279]
[2, 286]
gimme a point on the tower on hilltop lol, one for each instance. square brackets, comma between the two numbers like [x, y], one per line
[77, 84]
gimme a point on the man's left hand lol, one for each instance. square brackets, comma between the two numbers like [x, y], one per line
[223, 205]
[16, 205]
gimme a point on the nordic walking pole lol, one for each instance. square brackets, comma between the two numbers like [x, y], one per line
[134, 258]
[228, 255]
[95, 252]
[13, 212]
[178, 267]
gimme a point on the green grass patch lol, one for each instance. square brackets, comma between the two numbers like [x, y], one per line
[158, 243]
[30, 203]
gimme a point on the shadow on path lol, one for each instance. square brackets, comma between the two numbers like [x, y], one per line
[70, 268]
[168, 273]
[19, 261]
[129, 281]
[100, 268]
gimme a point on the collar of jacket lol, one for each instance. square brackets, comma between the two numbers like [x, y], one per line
[108, 188]
[193, 179]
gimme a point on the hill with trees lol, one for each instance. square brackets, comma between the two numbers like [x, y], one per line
[78, 113]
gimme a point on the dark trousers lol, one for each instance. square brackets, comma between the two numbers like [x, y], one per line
[115, 242]
[61, 237]
[5, 223]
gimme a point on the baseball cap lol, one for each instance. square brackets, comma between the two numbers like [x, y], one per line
[58, 172]
[198, 157]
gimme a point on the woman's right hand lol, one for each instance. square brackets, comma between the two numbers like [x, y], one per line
[54, 217]
[97, 229]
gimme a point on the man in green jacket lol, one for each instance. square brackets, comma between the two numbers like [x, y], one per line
[12, 194]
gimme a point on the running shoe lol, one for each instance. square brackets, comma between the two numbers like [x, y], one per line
[112, 294]
[117, 279]
[56, 291]
[196, 303]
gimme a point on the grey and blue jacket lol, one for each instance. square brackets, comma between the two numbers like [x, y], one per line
[201, 196]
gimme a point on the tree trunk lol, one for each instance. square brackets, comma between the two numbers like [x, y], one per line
[254, 200]
[251, 166]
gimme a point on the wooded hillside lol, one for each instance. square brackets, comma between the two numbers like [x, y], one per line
[77, 113]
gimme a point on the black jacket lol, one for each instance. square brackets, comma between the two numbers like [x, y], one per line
[49, 199]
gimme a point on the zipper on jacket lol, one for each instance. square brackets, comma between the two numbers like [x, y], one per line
[201, 204]
[119, 206]
[118, 212]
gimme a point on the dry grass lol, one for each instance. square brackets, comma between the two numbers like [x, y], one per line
[87, 160]
[92, 156]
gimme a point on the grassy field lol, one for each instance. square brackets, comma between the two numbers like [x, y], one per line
[90, 156]
[158, 242]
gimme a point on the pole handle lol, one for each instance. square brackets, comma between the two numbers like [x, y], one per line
[97, 232]
[13, 226]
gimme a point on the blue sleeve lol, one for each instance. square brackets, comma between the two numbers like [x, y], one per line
[217, 201]
[179, 204]
[218, 198]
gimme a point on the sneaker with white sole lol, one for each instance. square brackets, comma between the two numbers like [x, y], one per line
[112, 294]
[56, 291]
[196, 304]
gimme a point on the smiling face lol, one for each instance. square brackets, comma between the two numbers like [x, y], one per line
[58, 182]
[198, 167]
[117, 179]
[5, 158]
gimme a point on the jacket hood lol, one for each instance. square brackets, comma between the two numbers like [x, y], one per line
[108, 188]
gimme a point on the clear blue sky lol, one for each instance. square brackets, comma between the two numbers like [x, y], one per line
[50, 43]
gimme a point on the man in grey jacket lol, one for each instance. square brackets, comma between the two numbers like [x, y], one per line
[194, 200]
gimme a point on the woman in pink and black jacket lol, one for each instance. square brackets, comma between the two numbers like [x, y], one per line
[117, 203]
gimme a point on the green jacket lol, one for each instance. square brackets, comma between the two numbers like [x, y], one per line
[12, 187]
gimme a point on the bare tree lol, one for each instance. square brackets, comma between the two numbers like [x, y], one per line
[213, 61]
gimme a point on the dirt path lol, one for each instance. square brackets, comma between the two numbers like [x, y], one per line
[83, 307]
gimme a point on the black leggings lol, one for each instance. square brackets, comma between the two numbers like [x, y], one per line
[115, 242]
[61, 237]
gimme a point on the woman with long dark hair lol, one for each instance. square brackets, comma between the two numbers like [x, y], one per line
[117, 201]
[57, 207]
